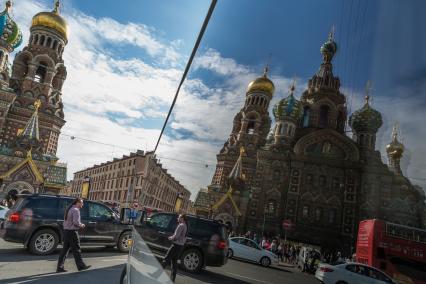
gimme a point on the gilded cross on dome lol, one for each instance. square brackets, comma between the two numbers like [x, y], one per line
[56, 9]
[368, 89]
[37, 104]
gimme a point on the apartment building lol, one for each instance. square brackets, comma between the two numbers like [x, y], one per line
[135, 179]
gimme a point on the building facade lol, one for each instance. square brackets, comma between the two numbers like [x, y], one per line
[305, 170]
[141, 175]
[31, 109]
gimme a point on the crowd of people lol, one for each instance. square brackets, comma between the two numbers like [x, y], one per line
[304, 256]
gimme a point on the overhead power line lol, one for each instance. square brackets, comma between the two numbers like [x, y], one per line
[188, 66]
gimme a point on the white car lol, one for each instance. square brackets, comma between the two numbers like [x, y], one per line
[247, 249]
[3, 211]
[351, 273]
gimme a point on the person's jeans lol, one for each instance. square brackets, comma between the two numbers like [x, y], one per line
[71, 242]
[172, 257]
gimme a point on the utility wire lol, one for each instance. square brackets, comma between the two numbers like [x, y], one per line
[188, 65]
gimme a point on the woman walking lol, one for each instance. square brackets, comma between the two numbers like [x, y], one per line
[72, 223]
[178, 239]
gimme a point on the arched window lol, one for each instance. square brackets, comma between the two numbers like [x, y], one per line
[341, 121]
[251, 126]
[323, 121]
[36, 39]
[42, 39]
[49, 42]
[284, 129]
[271, 208]
[332, 213]
[305, 211]
[40, 73]
[306, 116]
[55, 44]
[318, 214]
[361, 139]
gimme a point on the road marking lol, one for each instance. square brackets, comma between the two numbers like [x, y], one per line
[115, 259]
[249, 278]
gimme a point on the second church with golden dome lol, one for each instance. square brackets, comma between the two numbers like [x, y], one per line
[305, 171]
[31, 109]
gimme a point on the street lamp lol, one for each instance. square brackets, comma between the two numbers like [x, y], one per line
[85, 187]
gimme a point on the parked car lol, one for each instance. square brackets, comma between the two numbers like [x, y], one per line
[3, 210]
[247, 249]
[36, 221]
[206, 245]
[351, 273]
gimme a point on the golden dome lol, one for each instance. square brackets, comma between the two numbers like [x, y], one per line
[395, 148]
[261, 84]
[51, 20]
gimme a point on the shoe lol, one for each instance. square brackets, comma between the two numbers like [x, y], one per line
[60, 270]
[84, 267]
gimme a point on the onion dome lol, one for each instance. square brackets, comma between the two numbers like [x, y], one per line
[10, 34]
[329, 48]
[395, 149]
[366, 119]
[51, 20]
[262, 84]
[288, 107]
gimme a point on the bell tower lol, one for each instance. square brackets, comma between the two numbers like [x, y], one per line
[250, 128]
[324, 106]
[38, 73]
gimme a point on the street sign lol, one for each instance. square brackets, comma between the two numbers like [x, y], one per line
[287, 224]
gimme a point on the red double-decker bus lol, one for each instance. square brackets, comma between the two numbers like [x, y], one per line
[398, 250]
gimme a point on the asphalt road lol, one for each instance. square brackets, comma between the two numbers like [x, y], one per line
[18, 266]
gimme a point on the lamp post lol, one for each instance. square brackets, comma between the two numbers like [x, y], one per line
[85, 188]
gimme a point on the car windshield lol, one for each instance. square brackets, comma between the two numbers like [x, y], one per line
[293, 126]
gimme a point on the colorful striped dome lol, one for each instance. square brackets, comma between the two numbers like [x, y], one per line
[10, 34]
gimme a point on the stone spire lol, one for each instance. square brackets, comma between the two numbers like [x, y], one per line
[29, 137]
[395, 150]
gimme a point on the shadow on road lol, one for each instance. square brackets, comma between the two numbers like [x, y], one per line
[279, 267]
[103, 275]
[24, 255]
[206, 276]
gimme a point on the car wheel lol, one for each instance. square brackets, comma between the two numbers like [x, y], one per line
[230, 253]
[192, 260]
[44, 242]
[123, 244]
[265, 261]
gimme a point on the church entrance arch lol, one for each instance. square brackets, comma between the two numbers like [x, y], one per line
[226, 219]
[18, 187]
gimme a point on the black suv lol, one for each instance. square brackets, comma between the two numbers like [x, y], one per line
[206, 245]
[36, 221]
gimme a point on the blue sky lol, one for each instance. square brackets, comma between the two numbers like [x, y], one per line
[125, 59]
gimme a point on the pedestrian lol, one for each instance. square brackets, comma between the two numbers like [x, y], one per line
[255, 239]
[178, 239]
[72, 223]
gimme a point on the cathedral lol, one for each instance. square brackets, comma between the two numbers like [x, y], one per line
[31, 109]
[304, 177]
